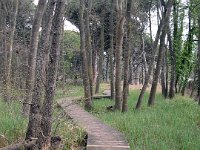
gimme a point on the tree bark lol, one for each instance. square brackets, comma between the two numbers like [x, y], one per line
[32, 55]
[164, 74]
[47, 108]
[86, 82]
[118, 54]
[198, 93]
[88, 45]
[9, 53]
[127, 58]
[160, 53]
[35, 116]
[111, 56]
[173, 66]
[101, 53]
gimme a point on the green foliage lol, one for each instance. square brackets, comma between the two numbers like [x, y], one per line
[71, 46]
[71, 41]
[167, 125]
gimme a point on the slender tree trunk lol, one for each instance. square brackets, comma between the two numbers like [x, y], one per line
[107, 68]
[86, 80]
[8, 57]
[94, 57]
[88, 45]
[154, 48]
[32, 55]
[198, 93]
[38, 91]
[193, 85]
[47, 109]
[150, 24]
[111, 56]
[101, 53]
[157, 71]
[160, 53]
[127, 58]
[173, 66]
[166, 73]
[118, 54]
[131, 70]
[163, 81]
[144, 56]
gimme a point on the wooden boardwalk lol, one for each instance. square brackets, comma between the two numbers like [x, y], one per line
[100, 135]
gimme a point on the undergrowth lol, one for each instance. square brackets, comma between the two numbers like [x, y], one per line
[13, 126]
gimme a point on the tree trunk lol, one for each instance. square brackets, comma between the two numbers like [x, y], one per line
[9, 52]
[88, 43]
[32, 55]
[198, 93]
[193, 84]
[154, 48]
[86, 82]
[160, 53]
[35, 116]
[47, 108]
[111, 56]
[163, 82]
[157, 71]
[94, 57]
[127, 57]
[173, 66]
[166, 73]
[101, 53]
[118, 54]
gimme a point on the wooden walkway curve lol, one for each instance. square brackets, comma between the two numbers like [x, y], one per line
[100, 135]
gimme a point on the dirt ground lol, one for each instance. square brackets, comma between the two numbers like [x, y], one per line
[135, 87]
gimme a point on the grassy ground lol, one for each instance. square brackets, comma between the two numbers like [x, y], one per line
[13, 125]
[170, 124]
[69, 91]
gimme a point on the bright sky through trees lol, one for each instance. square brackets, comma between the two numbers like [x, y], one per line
[68, 25]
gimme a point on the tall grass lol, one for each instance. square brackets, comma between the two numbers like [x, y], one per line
[72, 135]
[12, 124]
[170, 124]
